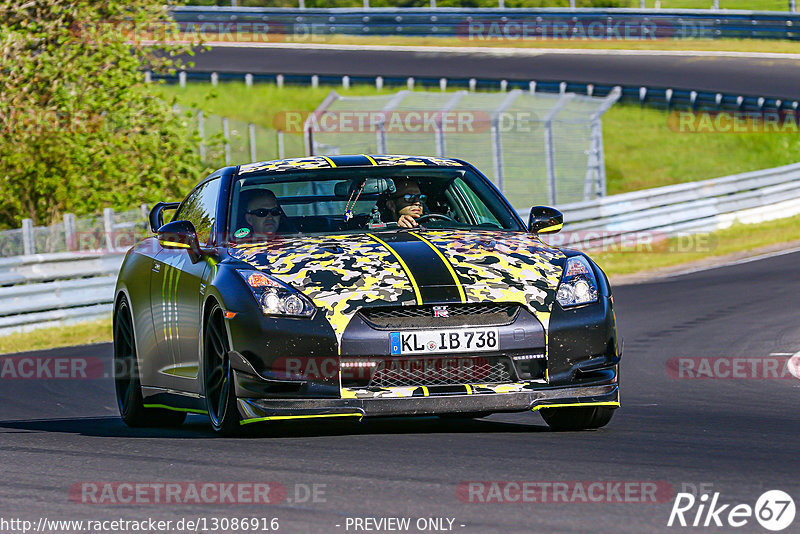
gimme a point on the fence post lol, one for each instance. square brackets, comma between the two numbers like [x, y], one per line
[201, 132]
[366, 4]
[378, 82]
[279, 81]
[108, 226]
[182, 78]
[497, 141]
[251, 130]
[248, 80]
[301, 4]
[549, 149]
[214, 79]
[280, 145]
[314, 81]
[27, 237]
[69, 231]
[148, 76]
[226, 132]
[473, 84]
[410, 83]
[345, 82]
[439, 132]
[145, 215]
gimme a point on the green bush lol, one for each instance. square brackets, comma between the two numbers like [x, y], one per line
[81, 131]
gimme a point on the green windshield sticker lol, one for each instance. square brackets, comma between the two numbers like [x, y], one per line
[241, 232]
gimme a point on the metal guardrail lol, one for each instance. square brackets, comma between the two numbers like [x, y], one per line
[49, 289]
[686, 208]
[477, 24]
[652, 96]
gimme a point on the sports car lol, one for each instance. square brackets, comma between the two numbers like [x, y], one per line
[296, 289]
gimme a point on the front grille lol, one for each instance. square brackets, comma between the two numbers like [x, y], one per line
[409, 317]
[429, 371]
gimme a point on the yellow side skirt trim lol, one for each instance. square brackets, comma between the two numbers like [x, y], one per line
[281, 417]
[575, 405]
[165, 407]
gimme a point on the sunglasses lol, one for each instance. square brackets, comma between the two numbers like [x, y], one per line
[263, 212]
[411, 198]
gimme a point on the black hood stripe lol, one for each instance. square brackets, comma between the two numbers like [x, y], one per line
[428, 270]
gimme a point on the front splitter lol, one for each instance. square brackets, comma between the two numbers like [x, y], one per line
[256, 410]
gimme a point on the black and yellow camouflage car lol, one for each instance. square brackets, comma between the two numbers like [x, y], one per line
[359, 286]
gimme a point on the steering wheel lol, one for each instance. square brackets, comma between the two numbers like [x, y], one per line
[430, 216]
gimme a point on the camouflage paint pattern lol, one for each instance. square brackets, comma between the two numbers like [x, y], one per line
[342, 273]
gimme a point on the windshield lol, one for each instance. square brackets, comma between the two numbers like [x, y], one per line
[352, 200]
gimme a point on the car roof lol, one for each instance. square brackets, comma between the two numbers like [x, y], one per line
[355, 160]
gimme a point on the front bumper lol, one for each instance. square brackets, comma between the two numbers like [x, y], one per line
[520, 397]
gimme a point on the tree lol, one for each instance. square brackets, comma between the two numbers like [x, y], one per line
[79, 129]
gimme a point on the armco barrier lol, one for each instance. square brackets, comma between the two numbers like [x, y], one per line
[48, 289]
[61, 288]
[594, 23]
[692, 207]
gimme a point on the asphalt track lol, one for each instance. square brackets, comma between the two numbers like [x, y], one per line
[738, 435]
[767, 77]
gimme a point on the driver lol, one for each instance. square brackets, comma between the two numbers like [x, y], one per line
[405, 206]
[262, 213]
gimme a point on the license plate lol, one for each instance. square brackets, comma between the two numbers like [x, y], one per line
[433, 341]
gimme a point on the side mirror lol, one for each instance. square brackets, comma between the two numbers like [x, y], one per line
[157, 214]
[545, 220]
[180, 234]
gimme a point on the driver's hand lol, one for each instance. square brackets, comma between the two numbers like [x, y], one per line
[407, 221]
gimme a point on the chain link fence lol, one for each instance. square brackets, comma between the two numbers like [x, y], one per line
[533, 146]
[226, 141]
[113, 231]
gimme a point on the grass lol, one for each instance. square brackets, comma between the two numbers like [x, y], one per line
[58, 336]
[630, 134]
[703, 45]
[737, 238]
[642, 151]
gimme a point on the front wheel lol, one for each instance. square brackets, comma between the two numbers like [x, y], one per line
[126, 377]
[577, 418]
[218, 376]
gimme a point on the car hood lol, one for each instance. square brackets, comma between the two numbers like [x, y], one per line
[342, 273]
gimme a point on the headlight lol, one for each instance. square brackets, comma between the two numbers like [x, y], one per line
[578, 285]
[276, 298]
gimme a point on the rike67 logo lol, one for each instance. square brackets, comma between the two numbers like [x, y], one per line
[774, 510]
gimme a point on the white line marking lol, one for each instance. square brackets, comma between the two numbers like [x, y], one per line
[499, 51]
[731, 263]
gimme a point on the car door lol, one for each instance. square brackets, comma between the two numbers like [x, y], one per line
[175, 289]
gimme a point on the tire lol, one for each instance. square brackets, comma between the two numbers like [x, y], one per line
[561, 419]
[218, 376]
[126, 377]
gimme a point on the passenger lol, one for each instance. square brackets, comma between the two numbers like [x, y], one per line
[405, 206]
